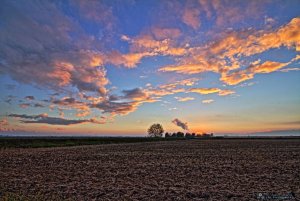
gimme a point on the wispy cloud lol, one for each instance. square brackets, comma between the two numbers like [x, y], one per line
[45, 119]
[184, 99]
[207, 101]
[204, 91]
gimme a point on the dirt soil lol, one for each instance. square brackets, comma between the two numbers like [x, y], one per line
[175, 170]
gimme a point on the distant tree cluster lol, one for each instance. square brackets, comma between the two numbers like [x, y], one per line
[156, 130]
[187, 135]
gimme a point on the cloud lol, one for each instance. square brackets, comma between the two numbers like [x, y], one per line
[38, 105]
[205, 90]
[184, 99]
[9, 99]
[226, 92]
[248, 73]
[289, 69]
[24, 105]
[46, 47]
[172, 88]
[226, 55]
[135, 94]
[130, 60]
[267, 67]
[146, 45]
[29, 98]
[161, 33]
[191, 17]
[67, 103]
[45, 54]
[3, 122]
[117, 108]
[225, 13]
[179, 123]
[207, 101]
[123, 105]
[96, 11]
[45, 119]
[4, 125]
[184, 68]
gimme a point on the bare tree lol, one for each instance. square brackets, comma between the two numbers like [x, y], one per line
[155, 130]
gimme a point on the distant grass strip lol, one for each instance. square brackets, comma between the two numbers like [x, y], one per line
[36, 142]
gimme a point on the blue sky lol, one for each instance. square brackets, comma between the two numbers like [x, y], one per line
[116, 67]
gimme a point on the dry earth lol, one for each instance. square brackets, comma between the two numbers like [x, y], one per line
[175, 170]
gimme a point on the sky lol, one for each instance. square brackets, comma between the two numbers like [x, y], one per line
[115, 67]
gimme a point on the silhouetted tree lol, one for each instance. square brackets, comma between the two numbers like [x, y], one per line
[188, 135]
[167, 135]
[156, 130]
[180, 134]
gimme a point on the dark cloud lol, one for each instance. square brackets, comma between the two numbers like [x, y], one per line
[113, 98]
[116, 107]
[29, 97]
[38, 105]
[122, 105]
[37, 46]
[45, 119]
[181, 124]
[65, 101]
[136, 93]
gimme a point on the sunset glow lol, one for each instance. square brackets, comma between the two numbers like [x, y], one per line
[116, 67]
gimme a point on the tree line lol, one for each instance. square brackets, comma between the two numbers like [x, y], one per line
[156, 130]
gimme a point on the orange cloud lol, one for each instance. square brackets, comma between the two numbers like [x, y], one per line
[236, 77]
[227, 54]
[268, 67]
[211, 91]
[205, 90]
[61, 73]
[226, 92]
[146, 46]
[129, 60]
[248, 73]
[184, 68]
